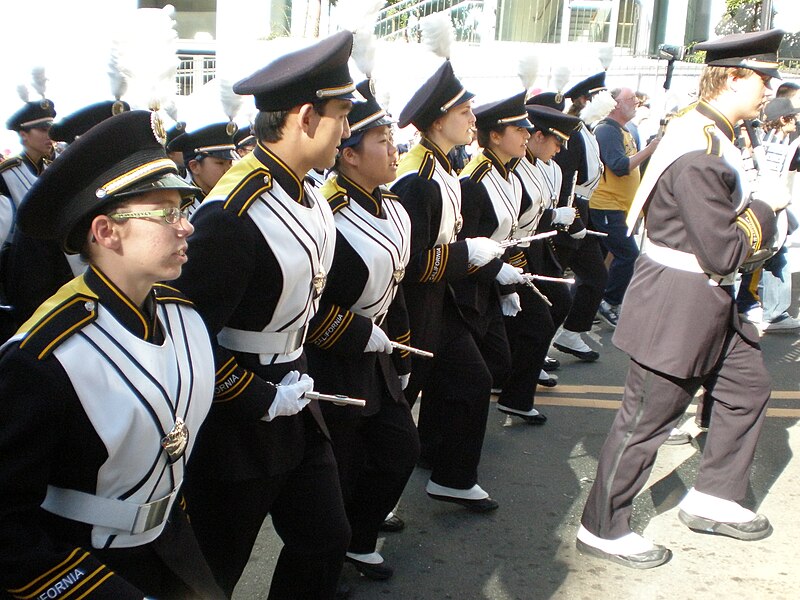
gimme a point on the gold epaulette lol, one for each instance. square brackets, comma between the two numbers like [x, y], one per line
[10, 163]
[335, 194]
[387, 195]
[477, 168]
[418, 160]
[248, 190]
[71, 308]
[166, 294]
[713, 147]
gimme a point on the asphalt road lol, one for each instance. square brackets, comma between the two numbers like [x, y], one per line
[541, 475]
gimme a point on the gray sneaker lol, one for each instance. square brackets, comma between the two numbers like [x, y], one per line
[608, 313]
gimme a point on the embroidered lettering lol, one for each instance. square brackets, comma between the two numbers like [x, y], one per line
[226, 385]
[59, 587]
[331, 328]
[437, 263]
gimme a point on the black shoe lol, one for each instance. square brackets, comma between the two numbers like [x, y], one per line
[551, 364]
[377, 572]
[678, 439]
[589, 356]
[644, 560]
[393, 524]
[538, 419]
[479, 506]
[549, 382]
[756, 529]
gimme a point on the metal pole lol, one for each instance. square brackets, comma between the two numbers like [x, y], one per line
[766, 15]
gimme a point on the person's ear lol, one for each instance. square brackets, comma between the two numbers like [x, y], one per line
[105, 232]
[349, 156]
[307, 117]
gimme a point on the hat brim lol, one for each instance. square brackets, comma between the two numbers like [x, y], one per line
[168, 181]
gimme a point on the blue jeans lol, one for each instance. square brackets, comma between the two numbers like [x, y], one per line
[621, 245]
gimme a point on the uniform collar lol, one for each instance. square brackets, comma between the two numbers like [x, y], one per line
[529, 155]
[497, 164]
[141, 322]
[372, 203]
[720, 120]
[437, 152]
[35, 167]
[281, 173]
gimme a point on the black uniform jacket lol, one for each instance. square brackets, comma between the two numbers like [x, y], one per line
[46, 438]
[675, 321]
[235, 280]
[337, 335]
[432, 265]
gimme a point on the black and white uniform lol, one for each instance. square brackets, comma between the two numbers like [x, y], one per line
[456, 382]
[679, 322]
[91, 388]
[490, 204]
[377, 446]
[585, 256]
[258, 261]
[531, 330]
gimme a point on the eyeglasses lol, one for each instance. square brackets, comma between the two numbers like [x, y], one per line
[170, 215]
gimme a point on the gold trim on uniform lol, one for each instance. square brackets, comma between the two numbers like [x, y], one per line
[336, 91]
[449, 104]
[119, 183]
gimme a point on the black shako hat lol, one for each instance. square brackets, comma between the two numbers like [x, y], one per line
[36, 114]
[591, 85]
[318, 72]
[365, 115]
[553, 121]
[179, 128]
[551, 99]
[441, 92]
[244, 136]
[83, 119]
[122, 156]
[779, 107]
[509, 111]
[214, 140]
[756, 50]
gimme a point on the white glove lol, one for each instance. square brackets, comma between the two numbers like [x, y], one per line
[481, 250]
[378, 341]
[773, 190]
[510, 304]
[289, 394]
[563, 215]
[578, 235]
[509, 275]
[404, 380]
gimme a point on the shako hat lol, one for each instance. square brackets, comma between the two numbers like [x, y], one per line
[551, 99]
[365, 115]
[441, 92]
[37, 114]
[122, 156]
[318, 72]
[756, 50]
[214, 140]
[553, 121]
[591, 85]
[83, 119]
[244, 136]
[779, 107]
[509, 111]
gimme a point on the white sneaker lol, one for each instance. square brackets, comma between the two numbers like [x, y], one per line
[571, 342]
[718, 509]
[782, 323]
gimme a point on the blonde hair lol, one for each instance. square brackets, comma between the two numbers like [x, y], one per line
[713, 79]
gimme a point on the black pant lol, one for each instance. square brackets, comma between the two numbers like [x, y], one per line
[376, 456]
[651, 405]
[307, 513]
[591, 276]
[455, 387]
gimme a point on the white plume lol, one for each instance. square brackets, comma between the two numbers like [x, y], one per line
[354, 15]
[528, 70]
[22, 90]
[606, 55]
[38, 80]
[231, 103]
[560, 78]
[171, 109]
[364, 50]
[598, 107]
[143, 56]
[437, 33]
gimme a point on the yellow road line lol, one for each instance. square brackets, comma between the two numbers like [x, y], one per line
[547, 400]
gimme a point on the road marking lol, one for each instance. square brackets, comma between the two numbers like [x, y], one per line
[617, 390]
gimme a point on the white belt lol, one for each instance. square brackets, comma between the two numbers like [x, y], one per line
[683, 261]
[107, 512]
[584, 191]
[262, 342]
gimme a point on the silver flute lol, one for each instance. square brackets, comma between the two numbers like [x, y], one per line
[335, 398]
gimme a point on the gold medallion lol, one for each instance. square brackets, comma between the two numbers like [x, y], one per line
[319, 281]
[398, 274]
[157, 125]
[175, 442]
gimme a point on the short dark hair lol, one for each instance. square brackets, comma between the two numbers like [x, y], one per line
[268, 125]
[787, 89]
